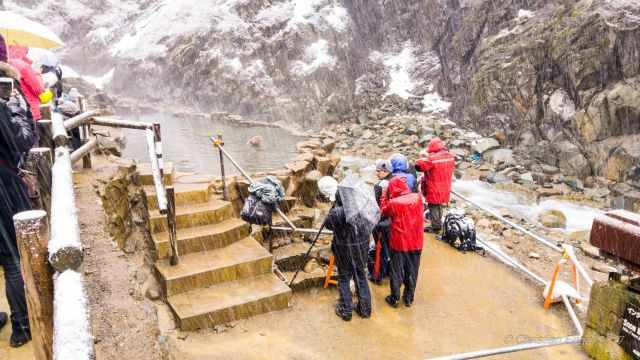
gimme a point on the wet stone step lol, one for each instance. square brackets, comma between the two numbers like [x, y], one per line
[146, 175]
[185, 194]
[212, 212]
[230, 301]
[242, 259]
[201, 238]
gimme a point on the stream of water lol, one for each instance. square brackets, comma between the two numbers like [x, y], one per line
[186, 143]
[579, 217]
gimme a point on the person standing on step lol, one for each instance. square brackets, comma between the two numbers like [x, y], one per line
[436, 183]
[381, 231]
[17, 135]
[350, 246]
[404, 209]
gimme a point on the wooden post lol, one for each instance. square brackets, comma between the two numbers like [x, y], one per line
[84, 134]
[45, 134]
[32, 232]
[225, 192]
[39, 163]
[171, 222]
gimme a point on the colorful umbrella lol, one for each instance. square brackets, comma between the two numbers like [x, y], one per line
[18, 30]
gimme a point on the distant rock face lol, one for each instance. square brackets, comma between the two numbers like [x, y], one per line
[543, 74]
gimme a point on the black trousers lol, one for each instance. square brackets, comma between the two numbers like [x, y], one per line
[405, 266]
[351, 261]
[14, 288]
[436, 211]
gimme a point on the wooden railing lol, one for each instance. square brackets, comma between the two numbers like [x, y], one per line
[57, 302]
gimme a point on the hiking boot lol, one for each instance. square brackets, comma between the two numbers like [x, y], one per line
[3, 319]
[407, 303]
[343, 315]
[20, 336]
[392, 301]
[362, 313]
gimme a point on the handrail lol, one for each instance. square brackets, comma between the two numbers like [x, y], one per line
[540, 239]
[81, 119]
[220, 145]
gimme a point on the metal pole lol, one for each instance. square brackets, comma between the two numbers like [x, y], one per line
[282, 215]
[572, 315]
[301, 230]
[514, 225]
[225, 192]
[157, 137]
[510, 261]
[171, 224]
[306, 256]
[510, 349]
[155, 169]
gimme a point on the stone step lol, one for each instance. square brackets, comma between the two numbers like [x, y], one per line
[185, 194]
[212, 212]
[230, 301]
[146, 176]
[242, 259]
[201, 238]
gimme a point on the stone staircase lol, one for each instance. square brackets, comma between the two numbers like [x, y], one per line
[224, 274]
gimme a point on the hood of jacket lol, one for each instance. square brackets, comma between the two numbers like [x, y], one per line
[398, 187]
[399, 163]
[7, 70]
[435, 145]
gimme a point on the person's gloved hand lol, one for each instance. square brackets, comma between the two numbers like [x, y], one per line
[46, 96]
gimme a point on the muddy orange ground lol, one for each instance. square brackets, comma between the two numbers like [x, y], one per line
[464, 302]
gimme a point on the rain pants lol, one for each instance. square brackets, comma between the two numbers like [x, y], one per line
[381, 235]
[404, 208]
[350, 246]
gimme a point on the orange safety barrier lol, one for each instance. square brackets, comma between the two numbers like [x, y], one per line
[327, 280]
[548, 299]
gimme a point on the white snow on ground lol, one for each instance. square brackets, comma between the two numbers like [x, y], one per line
[68, 72]
[434, 103]
[171, 18]
[399, 66]
[315, 56]
[320, 13]
[525, 14]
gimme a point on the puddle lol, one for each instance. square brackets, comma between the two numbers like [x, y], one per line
[186, 143]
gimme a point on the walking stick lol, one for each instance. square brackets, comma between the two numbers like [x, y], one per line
[313, 243]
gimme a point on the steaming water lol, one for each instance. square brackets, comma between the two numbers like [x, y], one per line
[186, 143]
[579, 217]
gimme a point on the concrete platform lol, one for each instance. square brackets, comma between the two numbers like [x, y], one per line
[464, 302]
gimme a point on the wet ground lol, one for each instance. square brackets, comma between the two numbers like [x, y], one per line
[191, 150]
[6, 352]
[464, 302]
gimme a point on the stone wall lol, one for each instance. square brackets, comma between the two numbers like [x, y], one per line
[604, 320]
[125, 206]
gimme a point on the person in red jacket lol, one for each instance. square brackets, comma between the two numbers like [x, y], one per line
[30, 81]
[436, 182]
[404, 209]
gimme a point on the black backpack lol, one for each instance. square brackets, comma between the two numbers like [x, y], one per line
[460, 233]
[257, 212]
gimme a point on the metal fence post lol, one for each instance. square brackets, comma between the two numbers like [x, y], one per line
[225, 191]
[157, 137]
[171, 223]
[85, 132]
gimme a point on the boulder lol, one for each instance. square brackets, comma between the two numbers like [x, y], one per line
[309, 191]
[499, 156]
[485, 144]
[498, 178]
[554, 219]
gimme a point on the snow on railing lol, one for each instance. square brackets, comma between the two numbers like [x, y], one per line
[72, 339]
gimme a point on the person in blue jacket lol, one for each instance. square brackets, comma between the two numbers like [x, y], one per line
[400, 167]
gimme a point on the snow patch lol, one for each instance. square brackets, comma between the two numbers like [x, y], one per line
[399, 66]
[525, 14]
[72, 338]
[100, 81]
[315, 56]
[323, 14]
[433, 102]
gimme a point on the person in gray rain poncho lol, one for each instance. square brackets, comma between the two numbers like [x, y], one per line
[352, 220]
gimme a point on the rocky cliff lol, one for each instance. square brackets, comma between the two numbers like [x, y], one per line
[560, 78]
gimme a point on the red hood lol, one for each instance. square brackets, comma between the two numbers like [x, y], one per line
[435, 145]
[19, 52]
[398, 187]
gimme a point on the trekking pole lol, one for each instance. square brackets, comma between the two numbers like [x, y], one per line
[313, 243]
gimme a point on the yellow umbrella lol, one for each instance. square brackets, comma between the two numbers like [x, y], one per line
[18, 30]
